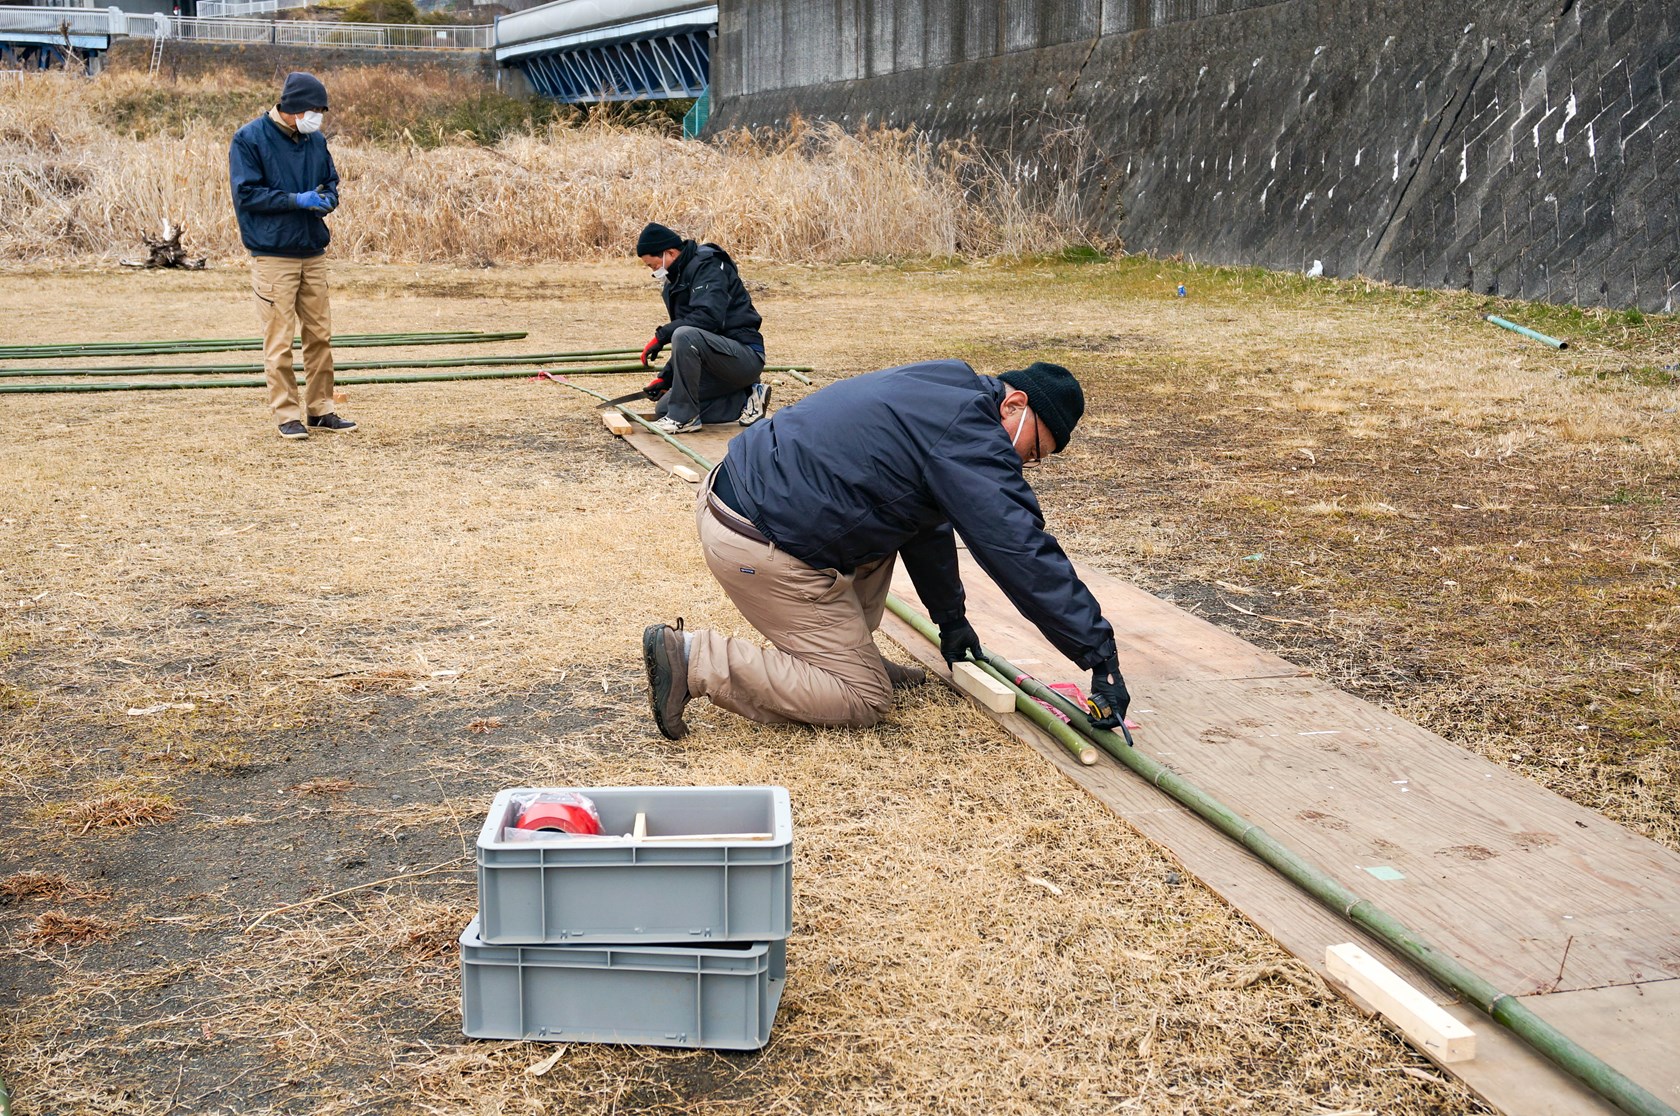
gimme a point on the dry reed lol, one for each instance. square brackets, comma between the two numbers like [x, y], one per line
[71, 187]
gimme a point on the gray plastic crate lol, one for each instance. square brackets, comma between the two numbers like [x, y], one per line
[721, 997]
[613, 888]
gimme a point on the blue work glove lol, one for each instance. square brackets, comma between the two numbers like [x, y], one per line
[1109, 697]
[313, 201]
[957, 642]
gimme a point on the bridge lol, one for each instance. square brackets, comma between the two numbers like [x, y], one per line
[590, 51]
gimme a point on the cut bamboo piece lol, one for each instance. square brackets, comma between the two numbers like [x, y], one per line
[686, 473]
[617, 423]
[1422, 1020]
[639, 831]
[983, 688]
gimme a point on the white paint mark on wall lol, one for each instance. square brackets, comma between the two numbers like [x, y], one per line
[1568, 115]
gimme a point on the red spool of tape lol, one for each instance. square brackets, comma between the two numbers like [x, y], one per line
[558, 817]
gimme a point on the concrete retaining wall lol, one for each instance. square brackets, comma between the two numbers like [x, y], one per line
[1515, 147]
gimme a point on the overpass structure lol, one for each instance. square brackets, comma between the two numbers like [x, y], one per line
[589, 51]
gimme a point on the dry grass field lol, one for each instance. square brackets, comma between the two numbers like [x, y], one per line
[357, 640]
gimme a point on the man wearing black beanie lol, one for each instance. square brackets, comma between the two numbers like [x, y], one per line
[284, 185]
[803, 521]
[717, 353]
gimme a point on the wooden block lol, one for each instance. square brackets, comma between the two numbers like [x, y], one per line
[617, 423]
[1424, 1021]
[686, 473]
[983, 688]
[639, 830]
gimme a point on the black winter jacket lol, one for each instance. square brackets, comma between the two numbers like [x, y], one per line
[268, 166]
[703, 289]
[891, 462]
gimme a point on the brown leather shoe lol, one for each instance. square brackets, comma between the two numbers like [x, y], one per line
[903, 677]
[667, 671]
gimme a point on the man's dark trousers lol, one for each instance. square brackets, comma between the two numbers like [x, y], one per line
[710, 376]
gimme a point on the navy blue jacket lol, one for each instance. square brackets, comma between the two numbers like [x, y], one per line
[703, 289]
[891, 462]
[268, 167]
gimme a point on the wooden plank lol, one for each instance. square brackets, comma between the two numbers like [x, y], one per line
[711, 442]
[1429, 1027]
[687, 473]
[1493, 868]
[983, 688]
[616, 423]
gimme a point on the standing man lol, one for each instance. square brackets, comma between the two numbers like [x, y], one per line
[717, 353]
[802, 521]
[284, 182]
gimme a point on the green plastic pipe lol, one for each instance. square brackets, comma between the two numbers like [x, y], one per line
[697, 458]
[1502, 1007]
[232, 344]
[342, 381]
[347, 365]
[1525, 331]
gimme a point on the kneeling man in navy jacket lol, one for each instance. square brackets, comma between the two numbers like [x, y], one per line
[802, 522]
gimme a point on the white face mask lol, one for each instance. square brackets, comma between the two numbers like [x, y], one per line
[1015, 440]
[308, 122]
[659, 272]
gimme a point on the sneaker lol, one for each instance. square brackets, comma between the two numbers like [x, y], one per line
[667, 671]
[293, 430]
[758, 404]
[669, 425]
[330, 422]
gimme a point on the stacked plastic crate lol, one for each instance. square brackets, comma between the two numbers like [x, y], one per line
[669, 933]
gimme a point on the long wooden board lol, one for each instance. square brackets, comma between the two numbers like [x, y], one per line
[1487, 865]
[1545, 898]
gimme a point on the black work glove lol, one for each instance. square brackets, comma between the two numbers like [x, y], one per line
[657, 386]
[957, 642]
[1109, 699]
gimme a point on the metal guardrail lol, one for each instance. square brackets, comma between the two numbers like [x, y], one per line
[376, 36]
[216, 9]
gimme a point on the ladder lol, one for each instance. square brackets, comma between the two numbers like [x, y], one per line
[157, 55]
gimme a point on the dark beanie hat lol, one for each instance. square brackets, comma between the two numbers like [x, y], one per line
[1053, 394]
[303, 92]
[656, 240]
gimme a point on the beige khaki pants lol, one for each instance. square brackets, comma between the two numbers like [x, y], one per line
[824, 668]
[292, 296]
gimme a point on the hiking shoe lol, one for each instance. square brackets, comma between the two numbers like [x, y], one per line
[330, 422]
[758, 404]
[669, 425]
[293, 430]
[667, 671]
[904, 677]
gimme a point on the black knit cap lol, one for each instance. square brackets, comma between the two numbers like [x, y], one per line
[1053, 394]
[303, 93]
[656, 240]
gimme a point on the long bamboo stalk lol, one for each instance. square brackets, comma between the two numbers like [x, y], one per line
[1502, 1007]
[346, 365]
[341, 381]
[234, 344]
[699, 458]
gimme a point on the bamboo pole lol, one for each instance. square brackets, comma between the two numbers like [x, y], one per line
[344, 381]
[348, 365]
[1504, 1008]
[698, 458]
[232, 344]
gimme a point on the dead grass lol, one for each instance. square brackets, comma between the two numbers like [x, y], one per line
[54, 887]
[72, 187]
[117, 811]
[55, 928]
[346, 612]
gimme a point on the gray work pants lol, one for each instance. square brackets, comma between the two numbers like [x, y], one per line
[710, 376]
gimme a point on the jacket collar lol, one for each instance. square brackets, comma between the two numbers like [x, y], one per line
[289, 131]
